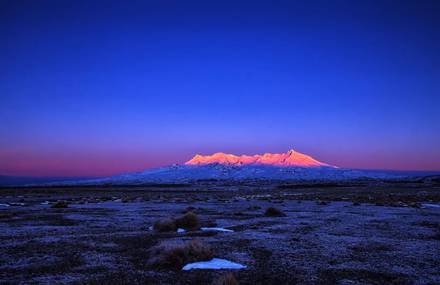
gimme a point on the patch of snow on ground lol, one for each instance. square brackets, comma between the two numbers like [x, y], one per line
[179, 230]
[217, 229]
[215, 263]
[17, 204]
[431, 205]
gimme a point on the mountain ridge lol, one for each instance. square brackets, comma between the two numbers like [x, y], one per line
[288, 159]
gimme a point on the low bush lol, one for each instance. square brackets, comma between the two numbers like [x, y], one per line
[274, 212]
[165, 225]
[189, 221]
[176, 255]
[60, 205]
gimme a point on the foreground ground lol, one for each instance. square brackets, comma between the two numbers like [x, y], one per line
[332, 234]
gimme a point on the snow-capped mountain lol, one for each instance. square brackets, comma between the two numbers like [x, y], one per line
[290, 158]
[285, 166]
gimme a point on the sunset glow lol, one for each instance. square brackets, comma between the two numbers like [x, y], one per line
[96, 88]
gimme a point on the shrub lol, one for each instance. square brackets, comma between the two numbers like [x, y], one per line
[189, 221]
[225, 279]
[176, 255]
[165, 225]
[60, 204]
[274, 212]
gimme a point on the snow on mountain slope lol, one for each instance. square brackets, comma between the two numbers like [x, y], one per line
[290, 158]
[186, 173]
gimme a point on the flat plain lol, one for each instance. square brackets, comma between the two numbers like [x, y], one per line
[361, 232]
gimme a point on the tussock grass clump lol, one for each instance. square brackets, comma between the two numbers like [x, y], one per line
[189, 221]
[415, 205]
[176, 255]
[274, 212]
[60, 205]
[165, 225]
[225, 279]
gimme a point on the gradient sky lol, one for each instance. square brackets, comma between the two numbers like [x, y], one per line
[102, 87]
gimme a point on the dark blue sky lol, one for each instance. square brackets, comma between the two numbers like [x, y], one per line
[101, 87]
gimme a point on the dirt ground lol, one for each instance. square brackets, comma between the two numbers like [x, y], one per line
[358, 233]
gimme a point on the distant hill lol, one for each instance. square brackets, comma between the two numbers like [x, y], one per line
[6, 180]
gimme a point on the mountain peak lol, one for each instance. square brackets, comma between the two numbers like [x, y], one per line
[290, 158]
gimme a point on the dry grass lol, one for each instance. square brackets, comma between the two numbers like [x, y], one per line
[362, 276]
[225, 279]
[189, 221]
[189, 209]
[253, 208]
[429, 224]
[274, 212]
[165, 225]
[7, 215]
[42, 258]
[436, 236]
[176, 255]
